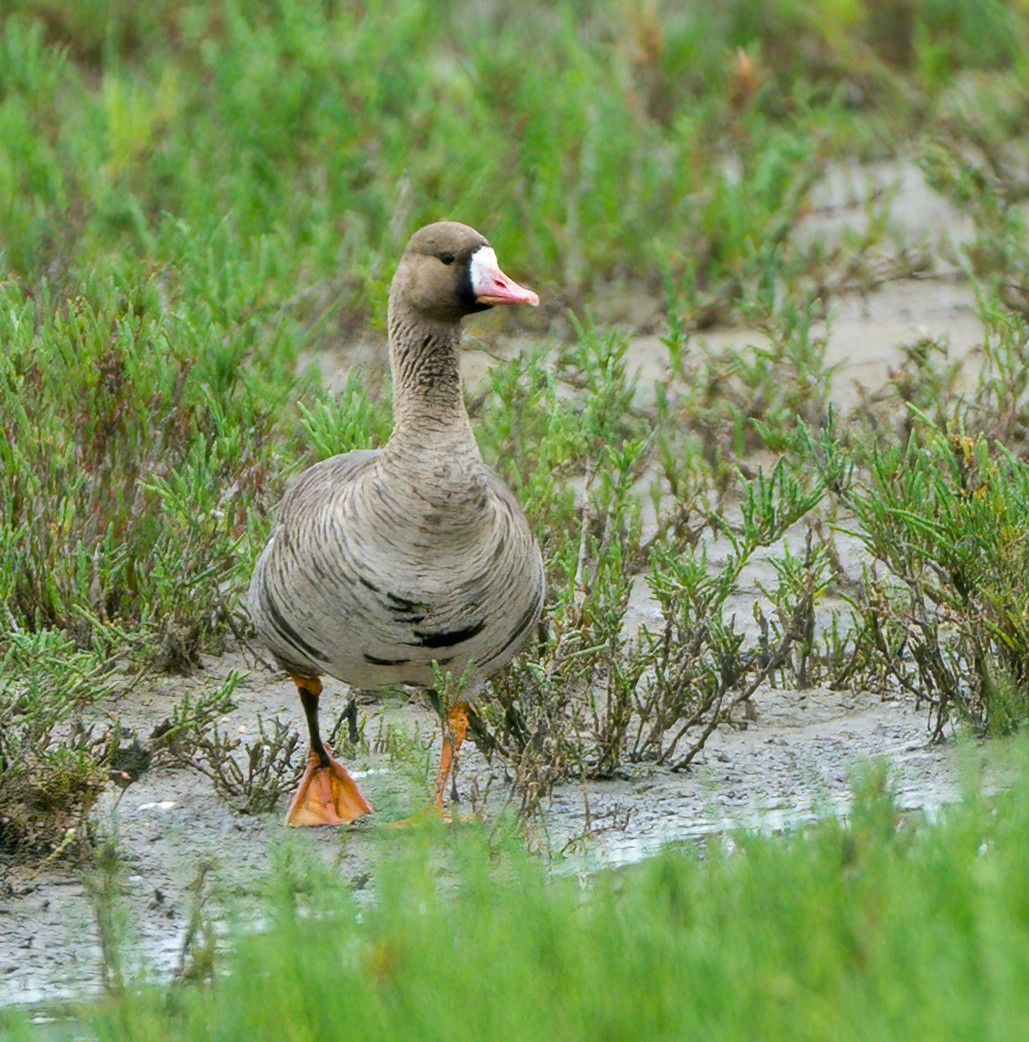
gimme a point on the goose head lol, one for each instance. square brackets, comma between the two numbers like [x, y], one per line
[448, 271]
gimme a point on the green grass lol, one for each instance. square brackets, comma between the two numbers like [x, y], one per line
[882, 927]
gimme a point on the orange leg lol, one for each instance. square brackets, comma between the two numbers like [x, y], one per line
[327, 794]
[453, 736]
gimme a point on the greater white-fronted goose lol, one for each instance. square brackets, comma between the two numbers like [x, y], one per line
[383, 562]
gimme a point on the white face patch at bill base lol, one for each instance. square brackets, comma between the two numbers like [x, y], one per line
[484, 266]
[491, 286]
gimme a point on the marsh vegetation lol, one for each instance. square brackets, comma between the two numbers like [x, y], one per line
[201, 200]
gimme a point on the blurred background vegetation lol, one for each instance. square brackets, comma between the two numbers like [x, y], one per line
[297, 145]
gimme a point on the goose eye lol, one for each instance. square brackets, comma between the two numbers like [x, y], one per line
[447, 258]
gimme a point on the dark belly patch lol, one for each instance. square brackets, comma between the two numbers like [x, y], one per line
[373, 661]
[446, 640]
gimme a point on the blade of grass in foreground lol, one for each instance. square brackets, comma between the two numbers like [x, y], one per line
[882, 927]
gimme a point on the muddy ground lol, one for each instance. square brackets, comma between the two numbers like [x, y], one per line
[792, 762]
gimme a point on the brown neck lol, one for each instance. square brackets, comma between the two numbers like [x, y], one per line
[428, 407]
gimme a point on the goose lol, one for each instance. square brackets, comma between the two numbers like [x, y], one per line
[384, 562]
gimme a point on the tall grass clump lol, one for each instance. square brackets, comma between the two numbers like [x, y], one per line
[944, 520]
[135, 441]
[53, 766]
[880, 925]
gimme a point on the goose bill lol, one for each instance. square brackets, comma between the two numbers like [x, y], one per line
[492, 286]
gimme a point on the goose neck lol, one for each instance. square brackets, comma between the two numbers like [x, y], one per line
[425, 364]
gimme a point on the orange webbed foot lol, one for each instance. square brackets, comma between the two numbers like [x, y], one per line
[327, 796]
